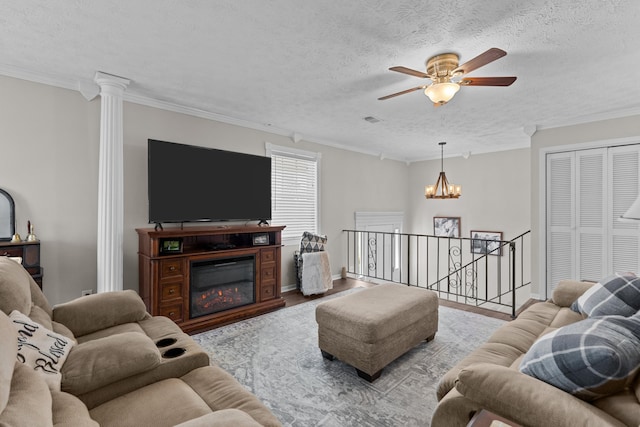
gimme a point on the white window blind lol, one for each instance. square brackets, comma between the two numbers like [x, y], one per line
[294, 191]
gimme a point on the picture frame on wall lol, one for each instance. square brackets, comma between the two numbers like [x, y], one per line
[481, 242]
[446, 226]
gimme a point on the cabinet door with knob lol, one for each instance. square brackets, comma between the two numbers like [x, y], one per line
[172, 281]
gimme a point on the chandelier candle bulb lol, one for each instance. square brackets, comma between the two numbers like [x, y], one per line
[428, 190]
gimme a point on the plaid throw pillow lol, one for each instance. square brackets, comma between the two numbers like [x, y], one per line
[616, 295]
[312, 242]
[589, 359]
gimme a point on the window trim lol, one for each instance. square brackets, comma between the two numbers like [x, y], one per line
[284, 151]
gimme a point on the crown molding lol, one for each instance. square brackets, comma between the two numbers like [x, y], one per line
[589, 118]
[136, 98]
[89, 90]
[518, 146]
[40, 77]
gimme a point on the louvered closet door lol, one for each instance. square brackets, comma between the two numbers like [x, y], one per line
[591, 214]
[560, 218]
[587, 192]
[624, 187]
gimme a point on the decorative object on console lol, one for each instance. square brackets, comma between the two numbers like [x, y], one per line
[486, 242]
[170, 246]
[446, 226]
[260, 239]
[31, 237]
[442, 189]
[7, 216]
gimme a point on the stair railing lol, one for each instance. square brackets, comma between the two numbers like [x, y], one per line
[474, 271]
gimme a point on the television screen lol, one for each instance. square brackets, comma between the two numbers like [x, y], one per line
[189, 183]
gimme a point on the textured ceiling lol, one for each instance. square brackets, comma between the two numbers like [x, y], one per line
[316, 68]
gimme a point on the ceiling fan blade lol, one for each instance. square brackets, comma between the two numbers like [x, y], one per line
[487, 81]
[409, 71]
[401, 93]
[479, 61]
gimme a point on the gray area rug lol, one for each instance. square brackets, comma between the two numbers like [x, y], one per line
[276, 356]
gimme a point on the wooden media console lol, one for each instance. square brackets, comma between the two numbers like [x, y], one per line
[204, 277]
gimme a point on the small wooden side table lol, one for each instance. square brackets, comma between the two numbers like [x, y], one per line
[485, 418]
[30, 254]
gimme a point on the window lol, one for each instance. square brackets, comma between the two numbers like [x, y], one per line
[294, 191]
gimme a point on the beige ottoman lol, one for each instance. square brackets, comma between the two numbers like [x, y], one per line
[369, 329]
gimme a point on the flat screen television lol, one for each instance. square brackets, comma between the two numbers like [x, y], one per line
[189, 183]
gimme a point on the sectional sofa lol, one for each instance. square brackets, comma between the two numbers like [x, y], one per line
[103, 360]
[569, 361]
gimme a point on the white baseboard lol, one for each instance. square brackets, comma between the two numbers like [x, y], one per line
[288, 288]
[293, 286]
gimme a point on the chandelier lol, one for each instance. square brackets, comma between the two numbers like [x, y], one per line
[443, 188]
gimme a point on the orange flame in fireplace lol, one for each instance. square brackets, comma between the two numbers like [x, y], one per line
[228, 296]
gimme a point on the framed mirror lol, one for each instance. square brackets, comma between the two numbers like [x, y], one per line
[7, 216]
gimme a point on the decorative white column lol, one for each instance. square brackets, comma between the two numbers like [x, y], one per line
[110, 183]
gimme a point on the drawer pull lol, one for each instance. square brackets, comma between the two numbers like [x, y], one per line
[172, 291]
[172, 268]
[171, 313]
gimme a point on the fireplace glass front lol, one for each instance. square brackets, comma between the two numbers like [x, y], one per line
[221, 284]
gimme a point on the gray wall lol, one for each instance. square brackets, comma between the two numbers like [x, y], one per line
[49, 140]
[495, 193]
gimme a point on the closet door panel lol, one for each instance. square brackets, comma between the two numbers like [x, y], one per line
[560, 218]
[591, 213]
[624, 187]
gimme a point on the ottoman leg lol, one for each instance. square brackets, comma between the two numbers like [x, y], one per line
[370, 378]
[326, 355]
[431, 338]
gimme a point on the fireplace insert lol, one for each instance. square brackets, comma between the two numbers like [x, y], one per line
[221, 284]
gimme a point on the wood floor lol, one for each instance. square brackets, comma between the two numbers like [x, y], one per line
[295, 297]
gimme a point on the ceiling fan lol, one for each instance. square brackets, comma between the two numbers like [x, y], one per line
[447, 76]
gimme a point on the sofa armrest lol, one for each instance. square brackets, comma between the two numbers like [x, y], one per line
[567, 291]
[527, 400]
[92, 313]
[97, 363]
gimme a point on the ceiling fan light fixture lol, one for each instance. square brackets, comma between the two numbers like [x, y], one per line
[441, 93]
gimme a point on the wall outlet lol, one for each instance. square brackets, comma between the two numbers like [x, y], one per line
[87, 292]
